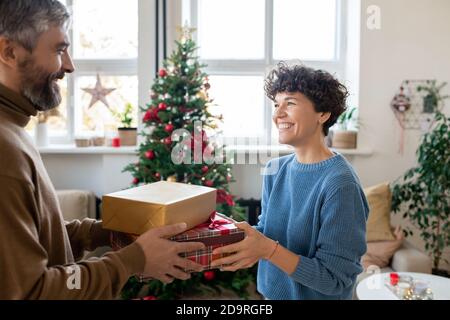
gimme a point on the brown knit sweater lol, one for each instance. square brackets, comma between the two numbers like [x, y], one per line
[38, 249]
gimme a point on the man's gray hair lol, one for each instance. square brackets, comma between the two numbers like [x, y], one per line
[24, 21]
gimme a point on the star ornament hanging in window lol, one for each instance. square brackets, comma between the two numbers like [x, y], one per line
[98, 93]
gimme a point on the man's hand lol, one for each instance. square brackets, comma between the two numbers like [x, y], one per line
[162, 260]
[246, 253]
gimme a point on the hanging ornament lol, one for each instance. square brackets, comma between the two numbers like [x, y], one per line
[207, 85]
[400, 104]
[157, 175]
[205, 169]
[150, 154]
[169, 128]
[209, 183]
[135, 181]
[162, 73]
[168, 141]
[98, 93]
[162, 106]
[202, 95]
[209, 275]
[153, 95]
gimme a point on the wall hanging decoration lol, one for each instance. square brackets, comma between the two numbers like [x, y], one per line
[400, 105]
[415, 104]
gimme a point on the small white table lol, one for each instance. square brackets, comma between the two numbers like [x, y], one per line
[373, 287]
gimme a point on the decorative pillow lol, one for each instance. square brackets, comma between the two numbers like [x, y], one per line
[379, 253]
[379, 222]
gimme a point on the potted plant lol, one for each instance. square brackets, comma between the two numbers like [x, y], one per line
[433, 97]
[127, 132]
[423, 194]
[344, 135]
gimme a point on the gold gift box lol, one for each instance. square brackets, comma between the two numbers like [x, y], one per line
[139, 209]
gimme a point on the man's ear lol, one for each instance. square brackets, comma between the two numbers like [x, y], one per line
[8, 51]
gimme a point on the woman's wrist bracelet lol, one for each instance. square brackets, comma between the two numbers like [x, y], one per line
[275, 249]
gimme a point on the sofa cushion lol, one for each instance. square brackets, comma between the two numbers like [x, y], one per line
[379, 221]
[76, 204]
[379, 253]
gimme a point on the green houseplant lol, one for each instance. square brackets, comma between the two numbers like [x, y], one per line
[127, 132]
[344, 136]
[423, 194]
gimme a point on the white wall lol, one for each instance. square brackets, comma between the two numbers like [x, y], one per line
[413, 43]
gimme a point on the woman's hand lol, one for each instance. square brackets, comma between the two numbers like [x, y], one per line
[246, 253]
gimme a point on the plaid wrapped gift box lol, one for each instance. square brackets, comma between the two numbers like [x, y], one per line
[218, 232]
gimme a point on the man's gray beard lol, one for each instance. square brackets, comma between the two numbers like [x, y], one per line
[39, 87]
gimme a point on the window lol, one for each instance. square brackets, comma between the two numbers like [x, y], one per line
[104, 42]
[241, 41]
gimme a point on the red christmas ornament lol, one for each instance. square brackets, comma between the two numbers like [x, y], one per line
[157, 175]
[150, 155]
[209, 183]
[168, 141]
[209, 275]
[205, 169]
[162, 106]
[162, 73]
[169, 128]
[149, 298]
[135, 181]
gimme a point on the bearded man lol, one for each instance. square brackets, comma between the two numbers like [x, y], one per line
[39, 251]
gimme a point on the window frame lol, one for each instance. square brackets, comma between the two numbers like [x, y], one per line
[263, 66]
[105, 67]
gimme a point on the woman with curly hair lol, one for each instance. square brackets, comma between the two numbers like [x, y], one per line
[312, 230]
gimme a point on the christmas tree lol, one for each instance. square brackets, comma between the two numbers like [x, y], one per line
[177, 147]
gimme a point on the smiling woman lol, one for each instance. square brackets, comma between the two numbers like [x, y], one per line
[311, 234]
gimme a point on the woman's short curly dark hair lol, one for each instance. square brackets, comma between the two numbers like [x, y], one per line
[325, 92]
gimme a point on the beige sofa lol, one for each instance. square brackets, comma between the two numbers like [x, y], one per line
[77, 204]
[406, 259]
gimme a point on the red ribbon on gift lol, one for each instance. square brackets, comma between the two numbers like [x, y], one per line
[216, 224]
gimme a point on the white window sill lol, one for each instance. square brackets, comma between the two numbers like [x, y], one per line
[72, 149]
[274, 150]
